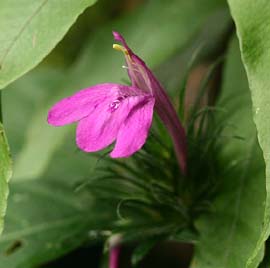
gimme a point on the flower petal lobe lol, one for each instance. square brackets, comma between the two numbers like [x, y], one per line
[134, 130]
[81, 104]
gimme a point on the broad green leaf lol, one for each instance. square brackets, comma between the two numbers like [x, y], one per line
[23, 99]
[21, 103]
[266, 260]
[230, 233]
[30, 30]
[177, 22]
[252, 20]
[5, 175]
[45, 220]
[48, 217]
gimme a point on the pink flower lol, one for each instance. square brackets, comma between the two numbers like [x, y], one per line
[111, 112]
[142, 77]
[105, 113]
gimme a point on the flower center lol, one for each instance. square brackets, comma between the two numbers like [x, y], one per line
[116, 103]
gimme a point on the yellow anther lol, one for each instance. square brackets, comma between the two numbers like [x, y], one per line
[120, 48]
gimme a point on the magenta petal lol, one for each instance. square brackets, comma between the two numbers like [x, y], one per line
[118, 37]
[81, 104]
[100, 128]
[134, 130]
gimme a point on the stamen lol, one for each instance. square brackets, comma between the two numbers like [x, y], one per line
[120, 48]
[130, 68]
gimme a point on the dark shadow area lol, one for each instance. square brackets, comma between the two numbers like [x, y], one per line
[167, 254]
[84, 257]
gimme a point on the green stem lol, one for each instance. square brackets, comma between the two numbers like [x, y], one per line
[1, 114]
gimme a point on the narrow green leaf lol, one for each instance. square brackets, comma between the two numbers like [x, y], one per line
[30, 30]
[141, 251]
[252, 20]
[230, 233]
[5, 175]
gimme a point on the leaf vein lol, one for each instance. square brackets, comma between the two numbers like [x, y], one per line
[16, 38]
[237, 204]
[38, 228]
